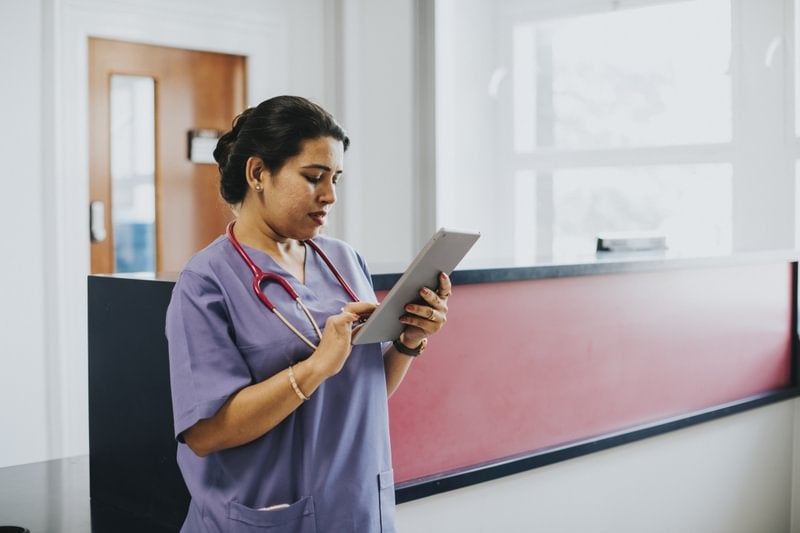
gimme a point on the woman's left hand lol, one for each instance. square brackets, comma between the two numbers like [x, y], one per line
[423, 320]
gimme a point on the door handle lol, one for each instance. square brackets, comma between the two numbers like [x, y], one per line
[97, 221]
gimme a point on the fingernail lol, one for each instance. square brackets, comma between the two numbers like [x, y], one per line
[409, 308]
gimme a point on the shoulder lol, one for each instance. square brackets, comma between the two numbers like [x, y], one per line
[209, 258]
[208, 267]
[204, 283]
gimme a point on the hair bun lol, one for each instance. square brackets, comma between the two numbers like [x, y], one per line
[222, 153]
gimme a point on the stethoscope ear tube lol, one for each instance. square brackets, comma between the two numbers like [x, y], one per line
[333, 269]
[295, 330]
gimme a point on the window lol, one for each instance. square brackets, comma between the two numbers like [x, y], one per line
[622, 79]
[557, 121]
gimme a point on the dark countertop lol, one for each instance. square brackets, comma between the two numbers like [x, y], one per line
[53, 497]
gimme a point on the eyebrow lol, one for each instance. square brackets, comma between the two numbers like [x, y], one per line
[321, 167]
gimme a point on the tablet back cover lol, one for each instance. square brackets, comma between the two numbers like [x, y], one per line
[442, 253]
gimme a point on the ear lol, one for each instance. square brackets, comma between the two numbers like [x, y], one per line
[254, 169]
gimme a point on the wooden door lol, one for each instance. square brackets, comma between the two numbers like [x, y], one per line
[192, 91]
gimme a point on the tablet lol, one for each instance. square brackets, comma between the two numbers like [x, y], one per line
[442, 253]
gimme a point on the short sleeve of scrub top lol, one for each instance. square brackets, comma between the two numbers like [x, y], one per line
[327, 466]
[215, 370]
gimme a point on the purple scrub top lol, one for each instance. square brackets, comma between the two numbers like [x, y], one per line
[330, 460]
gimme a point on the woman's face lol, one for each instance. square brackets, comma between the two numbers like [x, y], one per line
[296, 199]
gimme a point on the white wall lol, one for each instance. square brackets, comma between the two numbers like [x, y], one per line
[732, 475]
[471, 165]
[377, 77]
[23, 368]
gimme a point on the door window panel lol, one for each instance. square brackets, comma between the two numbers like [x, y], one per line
[133, 173]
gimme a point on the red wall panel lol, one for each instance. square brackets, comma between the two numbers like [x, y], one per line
[528, 365]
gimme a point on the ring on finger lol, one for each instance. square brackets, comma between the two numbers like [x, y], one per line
[432, 316]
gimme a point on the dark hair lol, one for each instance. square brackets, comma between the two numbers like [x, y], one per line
[274, 130]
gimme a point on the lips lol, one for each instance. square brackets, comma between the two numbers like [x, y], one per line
[318, 217]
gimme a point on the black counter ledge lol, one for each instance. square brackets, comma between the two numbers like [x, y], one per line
[600, 263]
[384, 277]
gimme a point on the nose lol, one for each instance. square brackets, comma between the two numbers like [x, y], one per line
[326, 191]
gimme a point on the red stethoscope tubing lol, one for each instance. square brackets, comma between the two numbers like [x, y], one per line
[259, 277]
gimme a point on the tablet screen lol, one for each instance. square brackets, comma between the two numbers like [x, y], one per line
[442, 253]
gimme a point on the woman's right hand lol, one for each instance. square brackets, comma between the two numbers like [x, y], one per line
[335, 344]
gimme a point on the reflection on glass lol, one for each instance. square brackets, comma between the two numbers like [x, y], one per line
[635, 77]
[689, 204]
[133, 172]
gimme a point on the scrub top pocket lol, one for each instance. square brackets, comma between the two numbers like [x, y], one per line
[299, 517]
[386, 496]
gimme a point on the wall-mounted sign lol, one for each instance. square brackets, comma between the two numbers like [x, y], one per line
[201, 144]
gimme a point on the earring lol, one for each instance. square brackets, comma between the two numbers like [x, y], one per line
[258, 187]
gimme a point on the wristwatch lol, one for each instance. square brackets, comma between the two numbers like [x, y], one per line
[413, 352]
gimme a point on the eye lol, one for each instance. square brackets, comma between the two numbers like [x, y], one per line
[313, 179]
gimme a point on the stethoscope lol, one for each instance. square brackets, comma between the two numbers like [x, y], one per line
[259, 277]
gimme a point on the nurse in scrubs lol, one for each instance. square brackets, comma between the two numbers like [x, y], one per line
[282, 424]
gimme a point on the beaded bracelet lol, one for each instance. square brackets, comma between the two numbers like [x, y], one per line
[295, 386]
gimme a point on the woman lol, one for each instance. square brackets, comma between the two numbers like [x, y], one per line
[285, 424]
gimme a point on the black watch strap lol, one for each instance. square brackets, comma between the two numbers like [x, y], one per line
[413, 352]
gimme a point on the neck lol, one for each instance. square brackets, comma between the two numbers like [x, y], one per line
[257, 234]
[288, 253]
